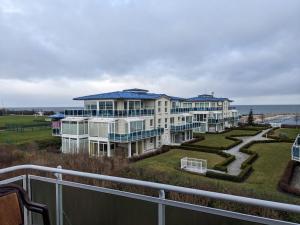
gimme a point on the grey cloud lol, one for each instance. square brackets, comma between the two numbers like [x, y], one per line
[232, 46]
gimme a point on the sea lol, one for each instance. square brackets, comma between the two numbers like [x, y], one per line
[243, 110]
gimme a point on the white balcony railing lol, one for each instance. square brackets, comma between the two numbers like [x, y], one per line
[57, 198]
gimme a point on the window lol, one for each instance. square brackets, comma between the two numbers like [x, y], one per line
[183, 119]
[158, 110]
[166, 125]
[159, 103]
[166, 110]
[151, 122]
[172, 120]
[173, 104]
[106, 105]
[151, 140]
[159, 120]
[166, 103]
[136, 126]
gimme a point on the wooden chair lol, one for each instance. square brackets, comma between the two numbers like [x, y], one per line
[13, 199]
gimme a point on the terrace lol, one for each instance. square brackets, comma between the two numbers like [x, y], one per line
[157, 208]
[109, 113]
[135, 136]
[186, 126]
[187, 110]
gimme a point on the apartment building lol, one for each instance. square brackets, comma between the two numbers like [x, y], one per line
[134, 121]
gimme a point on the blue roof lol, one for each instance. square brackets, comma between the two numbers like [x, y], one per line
[126, 94]
[57, 116]
[207, 98]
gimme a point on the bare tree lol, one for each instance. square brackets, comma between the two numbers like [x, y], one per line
[262, 118]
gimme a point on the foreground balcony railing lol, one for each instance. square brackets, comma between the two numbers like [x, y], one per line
[186, 110]
[109, 113]
[135, 136]
[77, 203]
[296, 149]
[187, 126]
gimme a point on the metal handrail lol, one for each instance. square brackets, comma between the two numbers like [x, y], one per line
[159, 186]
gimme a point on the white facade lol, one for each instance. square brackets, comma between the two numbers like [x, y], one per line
[134, 121]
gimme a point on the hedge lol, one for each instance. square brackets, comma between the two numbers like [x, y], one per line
[163, 149]
[270, 134]
[239, 178]
[222, 166]
[285, 180]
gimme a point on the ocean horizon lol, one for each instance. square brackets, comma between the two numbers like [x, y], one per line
[243, 109]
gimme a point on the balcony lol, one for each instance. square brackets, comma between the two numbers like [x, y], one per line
[231, 108]
[296, 149]
[109, 113]
[215, 121]
[187, 126]
[135, 136]
[186, 110]
[76, 203]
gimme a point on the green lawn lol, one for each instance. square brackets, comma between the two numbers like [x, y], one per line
[12, 137]
[262, 183]
[20, 120]
[170, 161]
[289, 132]
[219, 140]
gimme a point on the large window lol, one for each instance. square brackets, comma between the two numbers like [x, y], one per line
[106, 105]
[134, 104]
[69, 127]
[98, 129]
[136, 126]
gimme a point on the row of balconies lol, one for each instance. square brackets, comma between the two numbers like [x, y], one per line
[187, 126]
[130, 112]
[135, 136]
[109, 113]
[186, 110]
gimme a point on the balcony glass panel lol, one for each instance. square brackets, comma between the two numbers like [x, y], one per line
[135, 136]
[110, 113]
[185, 110]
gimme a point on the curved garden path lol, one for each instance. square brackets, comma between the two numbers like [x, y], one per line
[234, 168]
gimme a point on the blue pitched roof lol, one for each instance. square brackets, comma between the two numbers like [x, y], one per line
[57, 116]
[207, 98]
[126, 94]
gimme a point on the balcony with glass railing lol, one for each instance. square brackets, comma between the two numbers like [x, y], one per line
[135, 136]
[296, 149]
[116, 200]
[215, 120]
[186, 110]
[186, 126]
[109, 113]
[231, 107]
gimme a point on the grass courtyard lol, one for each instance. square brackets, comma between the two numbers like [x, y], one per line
[219, 140]
[262, 183]
[170, 161]
[21, 120]
[28, 136]
[288, 132]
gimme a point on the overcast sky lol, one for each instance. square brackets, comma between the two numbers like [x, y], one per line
[52, 51]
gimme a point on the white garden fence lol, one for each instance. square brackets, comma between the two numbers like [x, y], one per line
[194, 165]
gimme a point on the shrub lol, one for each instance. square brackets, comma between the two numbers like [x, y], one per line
[239, 178]
[163, 149]
[222, 166]
[285, 180]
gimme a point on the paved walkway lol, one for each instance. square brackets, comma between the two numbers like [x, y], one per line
[234, 168]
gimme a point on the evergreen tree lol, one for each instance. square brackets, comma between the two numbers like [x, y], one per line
[250, 118]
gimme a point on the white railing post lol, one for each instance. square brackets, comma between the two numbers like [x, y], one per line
[161, 209]
[25, 210]
[59, 204]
